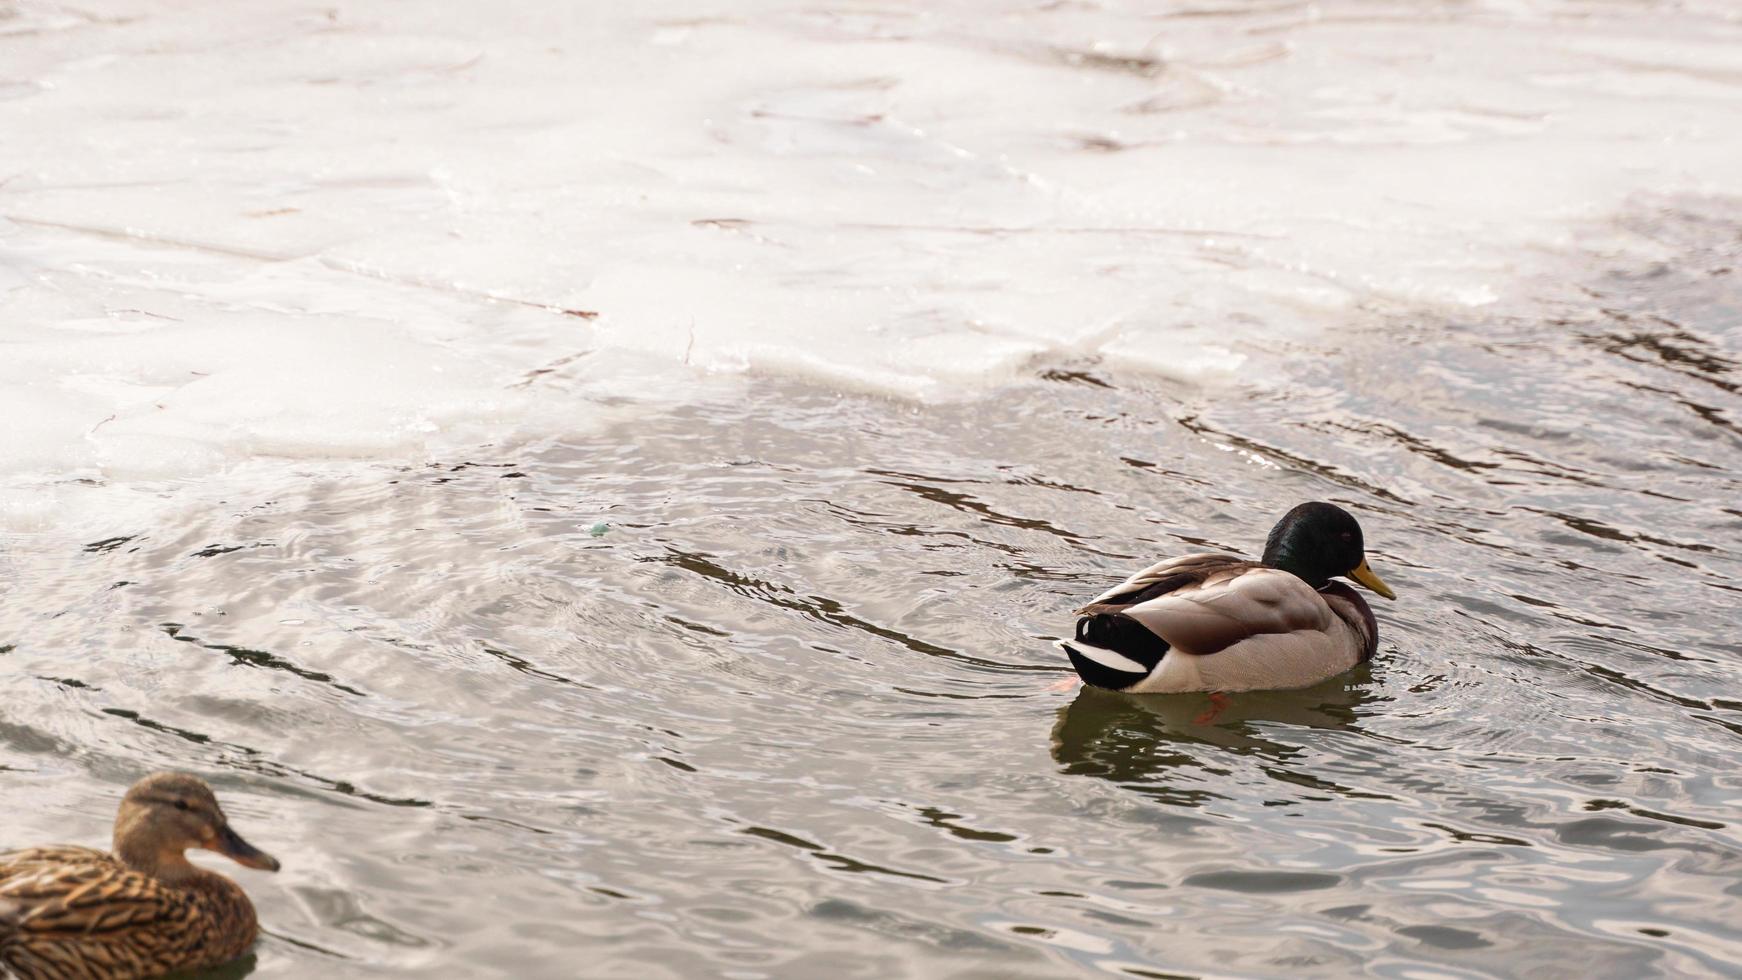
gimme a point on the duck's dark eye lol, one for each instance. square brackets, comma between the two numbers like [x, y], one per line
[1347, 536]
[181, 804]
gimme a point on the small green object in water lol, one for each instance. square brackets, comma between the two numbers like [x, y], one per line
[598, 530]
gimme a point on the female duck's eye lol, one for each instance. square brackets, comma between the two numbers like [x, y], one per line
[181, 804]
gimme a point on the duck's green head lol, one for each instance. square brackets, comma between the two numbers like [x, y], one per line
[1318, 540]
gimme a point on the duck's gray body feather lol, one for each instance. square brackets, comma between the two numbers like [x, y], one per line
[1225, 624]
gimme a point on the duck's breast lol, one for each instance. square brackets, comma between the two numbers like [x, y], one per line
[1353, 610]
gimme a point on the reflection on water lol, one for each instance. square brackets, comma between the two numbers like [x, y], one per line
[763, 685]
[1140, 740]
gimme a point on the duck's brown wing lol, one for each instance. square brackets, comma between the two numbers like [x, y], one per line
[1217, 623]
[1113, 648]
[99, 920]
[1161, 578]
[1230, 606]
[14, 863]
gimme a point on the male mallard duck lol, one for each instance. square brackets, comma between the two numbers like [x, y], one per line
[1218, 623]
[75, 913]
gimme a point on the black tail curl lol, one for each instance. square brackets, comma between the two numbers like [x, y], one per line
[1122, 635]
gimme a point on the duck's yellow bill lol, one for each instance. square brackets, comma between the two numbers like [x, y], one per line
[1366, 577]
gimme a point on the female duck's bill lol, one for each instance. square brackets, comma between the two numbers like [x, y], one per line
[231, 845]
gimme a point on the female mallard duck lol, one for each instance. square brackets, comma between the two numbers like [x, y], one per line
[1219, 623]
[74, 913]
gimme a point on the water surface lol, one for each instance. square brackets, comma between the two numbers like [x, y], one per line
[762, 685]
[595, 486]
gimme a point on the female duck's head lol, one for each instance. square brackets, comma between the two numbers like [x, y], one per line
[1316, 541]
[166, 814]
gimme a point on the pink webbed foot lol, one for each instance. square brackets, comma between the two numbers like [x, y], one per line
[1218, 703]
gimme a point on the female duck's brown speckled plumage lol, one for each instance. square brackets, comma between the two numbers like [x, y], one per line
[74, 913]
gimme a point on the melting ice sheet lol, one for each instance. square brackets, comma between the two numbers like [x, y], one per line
[310, 231]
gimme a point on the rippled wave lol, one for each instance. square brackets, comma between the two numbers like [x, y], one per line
[763, 685]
